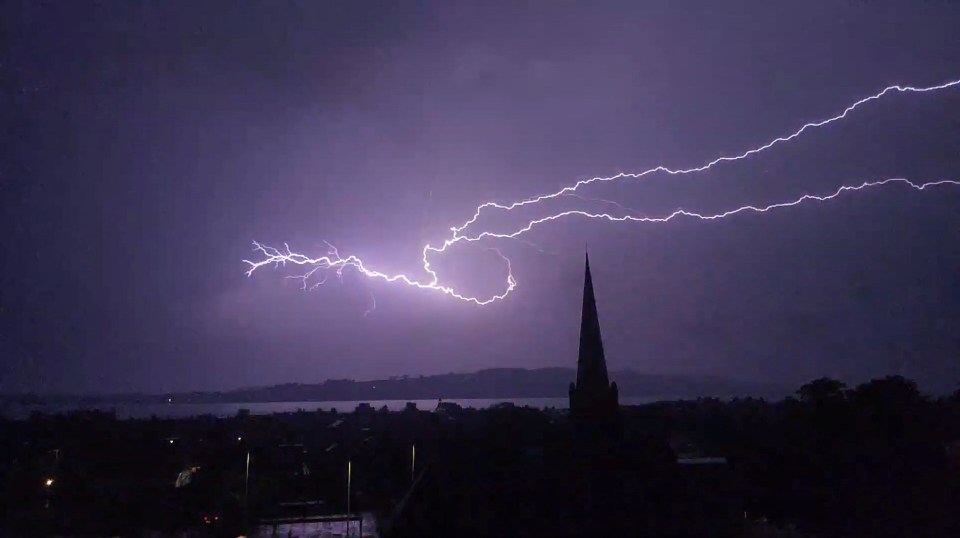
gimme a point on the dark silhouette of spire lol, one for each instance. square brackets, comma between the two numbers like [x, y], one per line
[592, 398]
[591, 364]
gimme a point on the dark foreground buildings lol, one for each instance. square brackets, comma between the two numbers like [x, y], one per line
[525, 474]
[880, 459]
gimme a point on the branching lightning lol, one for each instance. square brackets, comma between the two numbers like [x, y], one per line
[624, 175]
[336, 263]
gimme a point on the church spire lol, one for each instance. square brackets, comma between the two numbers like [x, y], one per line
[592, 397]
[591, 364]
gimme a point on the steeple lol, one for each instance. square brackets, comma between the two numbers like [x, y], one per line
[591, 364]
[592, 398]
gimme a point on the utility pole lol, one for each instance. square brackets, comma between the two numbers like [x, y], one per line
[349, 473]
[246, 493]
[413, 461]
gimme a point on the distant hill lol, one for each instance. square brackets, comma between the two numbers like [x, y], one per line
[490, 383]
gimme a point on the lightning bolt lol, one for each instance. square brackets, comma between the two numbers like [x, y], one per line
[601, 200]
[637, 175]
[333, 261]
[684, 213]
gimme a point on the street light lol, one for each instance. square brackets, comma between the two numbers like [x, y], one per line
[246, 492]
[246, 479]
[48, 484]
[349, 475]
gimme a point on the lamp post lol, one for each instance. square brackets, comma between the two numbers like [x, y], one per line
[246, 493]
[349, 476]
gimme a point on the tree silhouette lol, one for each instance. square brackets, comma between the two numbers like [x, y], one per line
[890, 392]
[823, 390]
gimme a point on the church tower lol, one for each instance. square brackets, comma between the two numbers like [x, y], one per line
[593, 399]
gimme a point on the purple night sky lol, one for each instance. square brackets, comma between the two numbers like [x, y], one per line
[146, 144]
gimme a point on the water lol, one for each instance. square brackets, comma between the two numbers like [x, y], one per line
[183, 410]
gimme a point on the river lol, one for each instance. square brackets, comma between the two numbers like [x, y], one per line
[183, 410]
